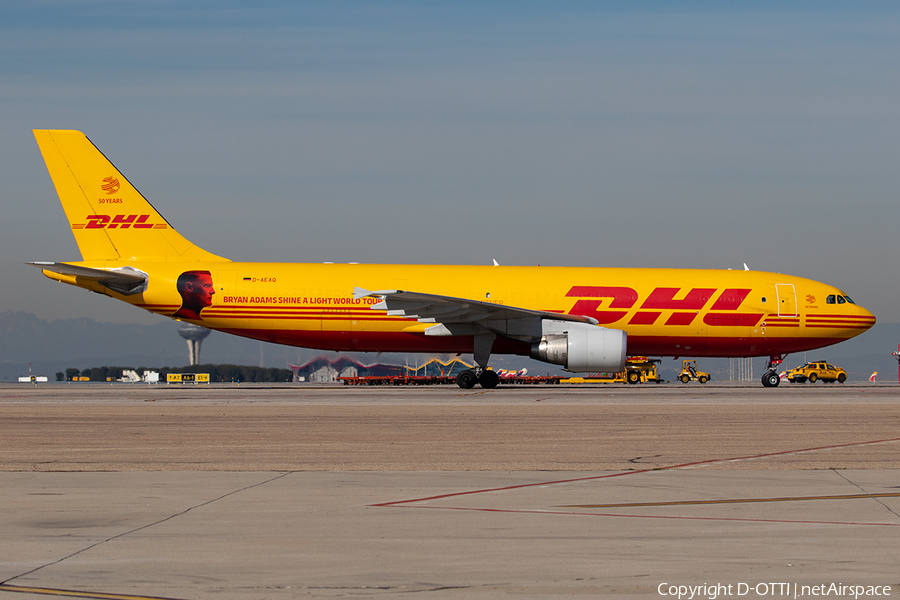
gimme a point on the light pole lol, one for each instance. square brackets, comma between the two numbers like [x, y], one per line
[897, 356]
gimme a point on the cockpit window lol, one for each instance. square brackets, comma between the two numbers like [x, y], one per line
[829, 299]
[847, 298]
[841, 300]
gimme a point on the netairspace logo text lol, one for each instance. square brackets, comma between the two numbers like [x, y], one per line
[778, 590]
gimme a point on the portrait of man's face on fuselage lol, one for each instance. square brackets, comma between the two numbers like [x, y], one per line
[197, 290]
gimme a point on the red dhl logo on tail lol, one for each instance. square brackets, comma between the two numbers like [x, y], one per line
[118, 222]
[684, 309]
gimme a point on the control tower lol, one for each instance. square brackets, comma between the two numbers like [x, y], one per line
[194, 334]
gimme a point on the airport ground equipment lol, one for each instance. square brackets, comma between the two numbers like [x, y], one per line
[533, 380]
[398, 380]
[445, 380]
[815, 371]
[641, 369]
[689, 372]
[638, 369]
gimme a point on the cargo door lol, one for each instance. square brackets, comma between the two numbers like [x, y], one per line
[787, 299]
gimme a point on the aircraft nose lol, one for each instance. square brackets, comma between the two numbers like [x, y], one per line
[862, 321]
[867, 314]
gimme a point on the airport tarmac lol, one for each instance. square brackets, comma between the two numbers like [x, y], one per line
[289, 491]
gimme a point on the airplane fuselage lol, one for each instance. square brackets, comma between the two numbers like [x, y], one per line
[665, 312]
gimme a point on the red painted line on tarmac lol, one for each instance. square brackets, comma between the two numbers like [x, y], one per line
[624, 473]
[514, 487]
[677, 518]
[738, 500]
[75, 593]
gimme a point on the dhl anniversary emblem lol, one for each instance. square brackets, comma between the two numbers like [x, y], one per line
[110, 185]
[118, 222]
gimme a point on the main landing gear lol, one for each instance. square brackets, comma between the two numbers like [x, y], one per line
[487, 378]
[771, 378]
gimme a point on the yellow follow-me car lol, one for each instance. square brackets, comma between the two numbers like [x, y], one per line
[814, 371]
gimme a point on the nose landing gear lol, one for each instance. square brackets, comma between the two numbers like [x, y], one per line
[771, 378]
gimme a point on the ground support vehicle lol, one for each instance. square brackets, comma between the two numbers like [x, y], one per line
[641, 369]
[814, 371]
[638, 369]
[689, 372]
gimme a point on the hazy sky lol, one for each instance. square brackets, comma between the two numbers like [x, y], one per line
[559, 133]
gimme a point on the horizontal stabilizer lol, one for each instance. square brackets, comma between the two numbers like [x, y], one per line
[125, 280]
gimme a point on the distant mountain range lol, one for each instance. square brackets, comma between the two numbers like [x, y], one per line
[53, 346]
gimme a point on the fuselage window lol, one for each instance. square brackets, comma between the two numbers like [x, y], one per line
[829, 299]
[841, 300]
[847, 298]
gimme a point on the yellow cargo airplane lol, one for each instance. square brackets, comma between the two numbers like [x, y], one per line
[584, 319]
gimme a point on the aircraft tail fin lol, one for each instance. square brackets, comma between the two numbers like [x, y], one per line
[110, 219]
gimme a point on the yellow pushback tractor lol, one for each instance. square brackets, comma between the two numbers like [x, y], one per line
[641, 369]
[638, 369]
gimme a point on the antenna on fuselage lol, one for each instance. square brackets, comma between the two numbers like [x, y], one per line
[746, 268]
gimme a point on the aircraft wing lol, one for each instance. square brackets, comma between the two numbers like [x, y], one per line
[461, 316]
[125, 280]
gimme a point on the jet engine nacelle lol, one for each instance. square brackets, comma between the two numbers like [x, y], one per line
[580, 347]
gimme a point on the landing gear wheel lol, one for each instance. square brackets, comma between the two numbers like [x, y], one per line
[771, 379]
[466, 380]
[489, 379]
[633, 377]
[813, 377]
